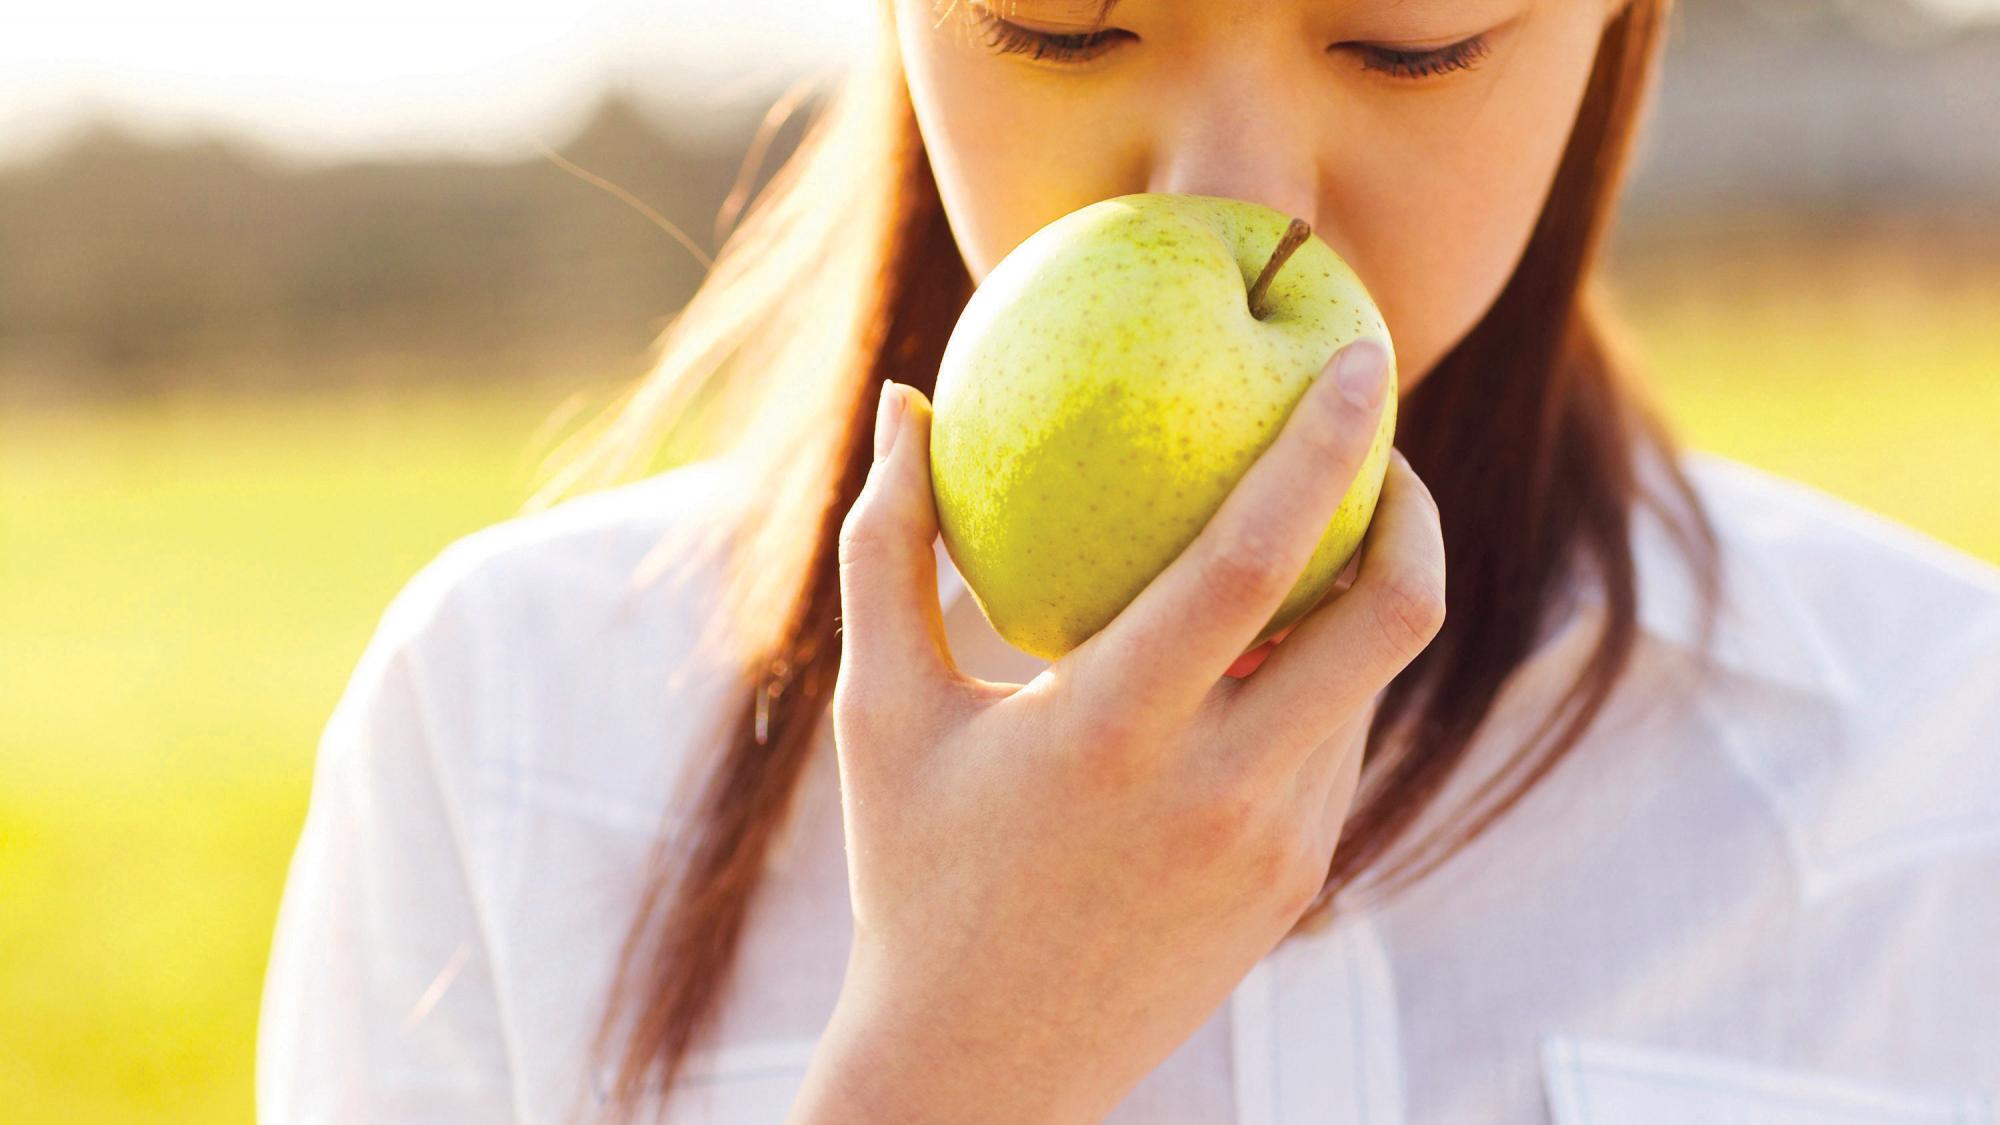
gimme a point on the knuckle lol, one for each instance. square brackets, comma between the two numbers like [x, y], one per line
[1287, 872]
[1307, 878]
[1108, 729]
[1271, 867]
[1244, 567]
[1226, 821]
[1110, 768]
[863, 539]
[855, 528]
[1112, 753]
[853, 707]
[1288, 869]
[1437, 515]
[873, 706]
[1408, 481]
[1424, 494]
[1410, 608]
[1330, 438]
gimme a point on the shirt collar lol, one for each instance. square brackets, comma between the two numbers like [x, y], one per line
[1766, 631]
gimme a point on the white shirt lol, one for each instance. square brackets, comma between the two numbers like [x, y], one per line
[1777, 900]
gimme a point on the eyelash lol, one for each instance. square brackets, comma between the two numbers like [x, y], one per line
[1012, 39]
[1463, 55]
[1008, 38]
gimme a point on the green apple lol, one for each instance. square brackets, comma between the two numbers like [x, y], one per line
[1108, 384]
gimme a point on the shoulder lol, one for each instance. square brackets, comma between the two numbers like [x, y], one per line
[491, 782]
[1880, 612]
[1880, 746]
[583, 555]
[562, 651]
[1796, 523]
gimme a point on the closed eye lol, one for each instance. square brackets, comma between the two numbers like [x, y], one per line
[1005, 37]
[1008, 38]
[1462, 55]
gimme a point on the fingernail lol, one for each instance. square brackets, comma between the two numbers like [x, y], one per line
[1362, 370]
[888, 419]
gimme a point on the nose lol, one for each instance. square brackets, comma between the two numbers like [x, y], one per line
[1243, 126]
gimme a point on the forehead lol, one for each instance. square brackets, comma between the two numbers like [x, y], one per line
[1089, 15]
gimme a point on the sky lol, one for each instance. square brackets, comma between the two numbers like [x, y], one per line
[323, 79]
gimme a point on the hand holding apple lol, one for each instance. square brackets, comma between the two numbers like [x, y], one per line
[1139, 821]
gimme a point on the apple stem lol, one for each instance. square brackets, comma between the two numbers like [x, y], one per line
[1294, 237]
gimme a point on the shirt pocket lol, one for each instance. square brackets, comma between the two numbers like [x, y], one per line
[752, 1083]
[1598, 1082]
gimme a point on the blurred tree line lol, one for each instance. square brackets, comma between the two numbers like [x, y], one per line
[128, 265]
[1798, 147]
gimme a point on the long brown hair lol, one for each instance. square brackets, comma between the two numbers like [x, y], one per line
[1528, 433]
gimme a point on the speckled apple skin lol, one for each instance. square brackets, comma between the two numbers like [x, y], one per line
[1105, 388]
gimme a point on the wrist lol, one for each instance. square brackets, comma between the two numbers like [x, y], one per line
[892, 1056]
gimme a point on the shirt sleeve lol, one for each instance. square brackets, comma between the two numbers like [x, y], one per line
[380, 1002]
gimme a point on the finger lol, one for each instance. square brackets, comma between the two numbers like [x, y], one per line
[1348, 648]
[1330, 780]
[1322, 794]
[891, 626]
[1184, 630]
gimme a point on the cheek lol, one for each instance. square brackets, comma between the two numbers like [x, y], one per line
[1437, 252]
[1448, 215]
[1000, 182]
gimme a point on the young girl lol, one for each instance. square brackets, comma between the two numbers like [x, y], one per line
[714, 795]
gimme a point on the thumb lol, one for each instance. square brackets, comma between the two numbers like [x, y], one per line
[891, 624]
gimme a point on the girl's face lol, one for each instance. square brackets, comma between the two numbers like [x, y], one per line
[1418, 137]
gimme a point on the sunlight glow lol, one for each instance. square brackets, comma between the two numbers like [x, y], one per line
[321, 76]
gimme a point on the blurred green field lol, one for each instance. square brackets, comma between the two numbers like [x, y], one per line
[185, 585]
